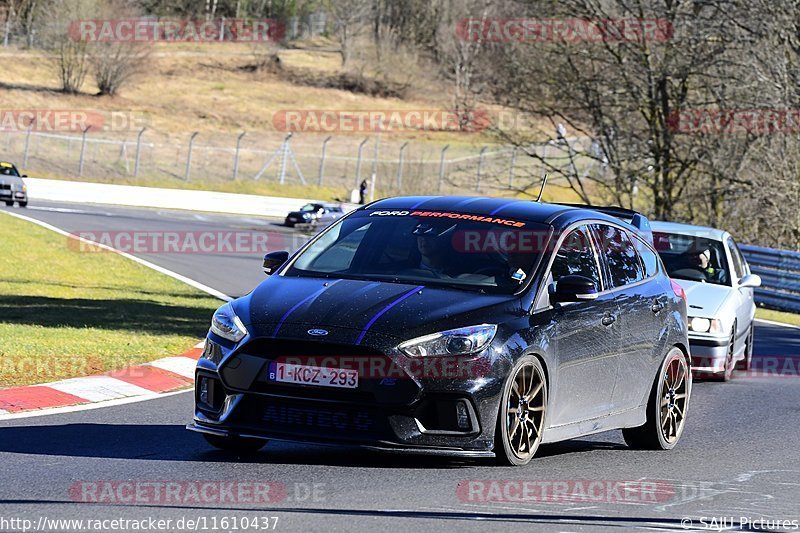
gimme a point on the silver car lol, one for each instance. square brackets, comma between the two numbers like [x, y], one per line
[709, 266]
[12, 188]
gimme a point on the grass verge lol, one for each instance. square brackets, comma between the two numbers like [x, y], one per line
[778, 316]
[65, 313]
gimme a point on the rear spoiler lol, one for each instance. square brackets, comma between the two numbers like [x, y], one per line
[634, 218]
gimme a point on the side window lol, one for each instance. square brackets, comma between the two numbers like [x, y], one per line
[738, 260]
[620, 255]
[648, 256]
[576, 256]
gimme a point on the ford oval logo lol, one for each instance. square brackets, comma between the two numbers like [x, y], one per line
[318, 332]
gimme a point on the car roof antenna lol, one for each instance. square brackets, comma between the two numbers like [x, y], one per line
[541, 191]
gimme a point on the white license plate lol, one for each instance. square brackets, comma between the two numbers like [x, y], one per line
[313, 375]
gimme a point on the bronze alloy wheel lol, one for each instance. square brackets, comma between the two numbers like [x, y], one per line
[667, 406]
[522, 412]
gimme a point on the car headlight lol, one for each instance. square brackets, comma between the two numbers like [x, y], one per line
[705, 325]
[462, 341]
[227, 325]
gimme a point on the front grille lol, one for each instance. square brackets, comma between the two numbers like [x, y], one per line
[300, 419]
[5, 187]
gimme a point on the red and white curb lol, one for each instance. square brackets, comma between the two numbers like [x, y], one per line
[136, 381]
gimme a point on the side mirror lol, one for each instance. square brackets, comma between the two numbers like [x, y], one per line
[574, 288]
[750, 281]
[24, 176]
[274, 260]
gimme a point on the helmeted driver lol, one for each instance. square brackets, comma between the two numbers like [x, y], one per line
[433, 246]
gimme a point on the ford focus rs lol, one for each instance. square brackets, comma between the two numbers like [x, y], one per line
[463, 326]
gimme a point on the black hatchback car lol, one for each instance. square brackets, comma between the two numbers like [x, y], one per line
[468, 326]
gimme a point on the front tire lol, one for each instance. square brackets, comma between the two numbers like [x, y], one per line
[666, 408]
[520, 421]
[727, 373]
[747, 362]
[235, 444]
[23, 204]
[10, 204]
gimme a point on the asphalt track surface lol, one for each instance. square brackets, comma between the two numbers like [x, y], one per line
[739, 457]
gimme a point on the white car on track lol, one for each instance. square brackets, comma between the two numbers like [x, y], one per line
[709, 266]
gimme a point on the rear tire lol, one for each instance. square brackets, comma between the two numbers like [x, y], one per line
[666, 408]
[10, 204]
[521, 417]
[235, 444]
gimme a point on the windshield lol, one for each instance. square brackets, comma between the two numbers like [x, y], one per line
[309, 207]
[465, 254]
[694, 258]
[8, 170]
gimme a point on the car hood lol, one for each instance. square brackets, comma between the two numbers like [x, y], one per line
[12, 180]
[398, 310]
[704, 299]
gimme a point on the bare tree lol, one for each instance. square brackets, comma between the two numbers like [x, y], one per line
[621, 95]
[67, 51]
[350, 19]
[115, 64]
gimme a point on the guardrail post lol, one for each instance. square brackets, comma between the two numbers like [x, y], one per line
[236, 156]
[511, 168]
[284, 157]
[400, 166]
[375, 161]
[441, 167]
[358, 162]
[189, 156]
[27, 145]
[138, 153]
[322, 160]
[83, 151]
[480, 168]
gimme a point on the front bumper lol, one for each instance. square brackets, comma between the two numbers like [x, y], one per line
[430, 415]
[17, 196]
[708, 354]
[389, 447]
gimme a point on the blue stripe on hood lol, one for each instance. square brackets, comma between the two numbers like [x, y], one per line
[384, 310]
[301, 302]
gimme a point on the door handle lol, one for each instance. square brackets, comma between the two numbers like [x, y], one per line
[608, 320]
[657, 307]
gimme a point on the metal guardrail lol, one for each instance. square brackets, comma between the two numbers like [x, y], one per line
[780, 276]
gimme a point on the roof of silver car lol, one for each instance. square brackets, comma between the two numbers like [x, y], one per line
[688, 229]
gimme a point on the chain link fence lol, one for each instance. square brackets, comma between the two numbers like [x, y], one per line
[337, 162]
